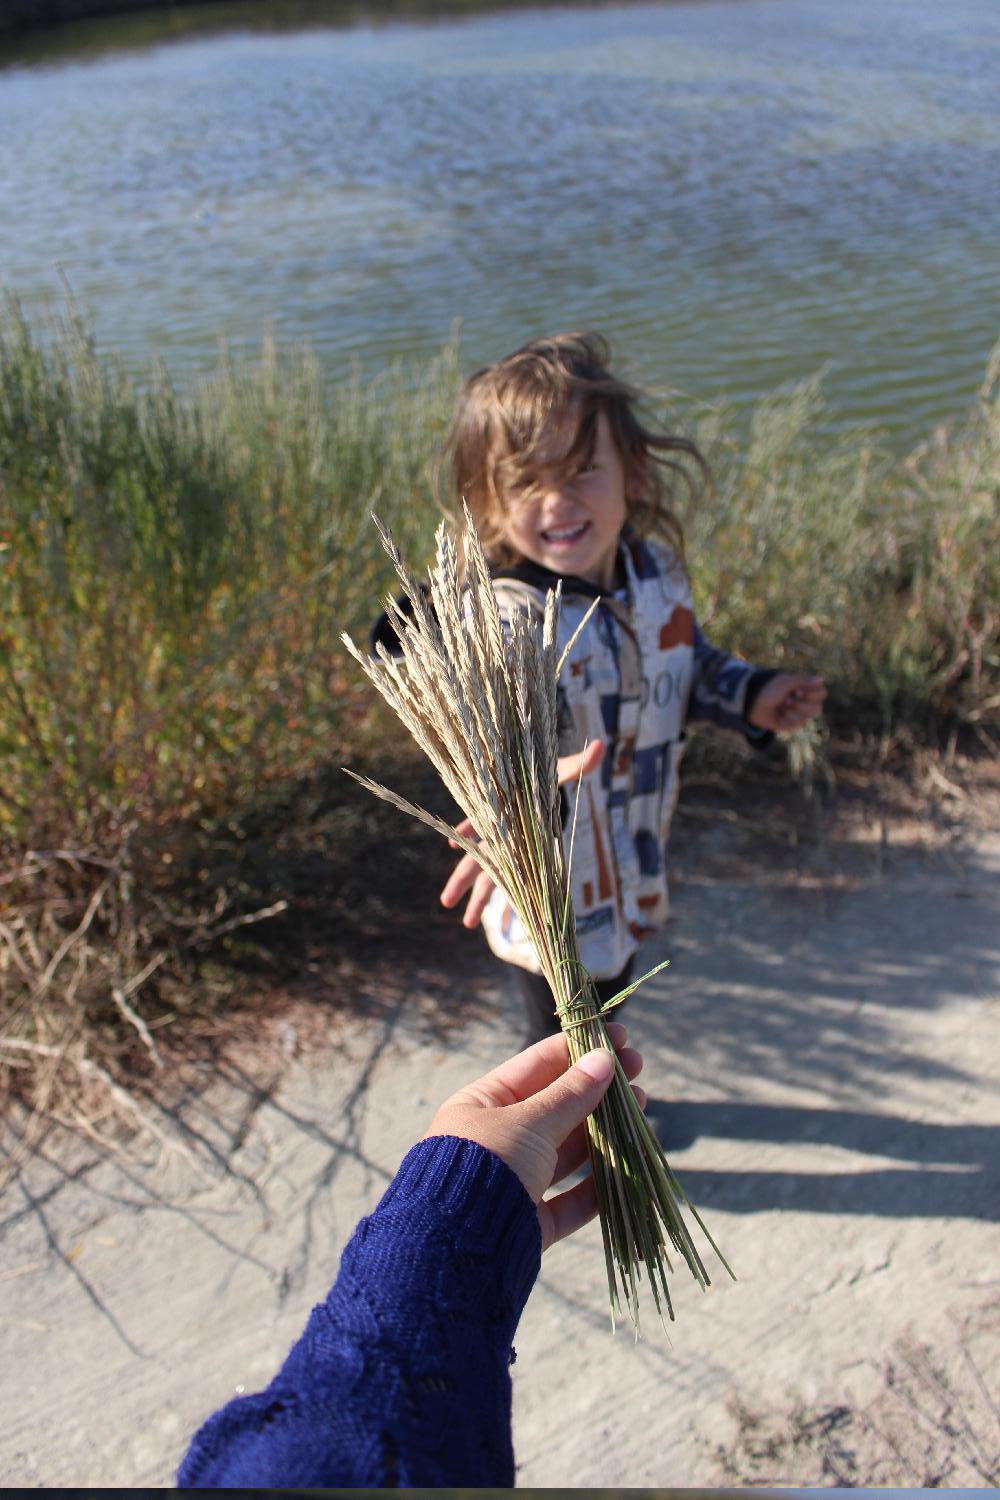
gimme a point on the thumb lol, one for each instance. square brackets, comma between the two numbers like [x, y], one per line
[566, 1103]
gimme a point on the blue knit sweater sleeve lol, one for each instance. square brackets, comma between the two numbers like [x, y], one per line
[402, 1376]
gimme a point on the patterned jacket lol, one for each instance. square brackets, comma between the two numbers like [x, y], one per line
[639, 671]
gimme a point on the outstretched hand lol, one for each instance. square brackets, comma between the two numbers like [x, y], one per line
[530, 1111]
[468, 874]
[787, 702]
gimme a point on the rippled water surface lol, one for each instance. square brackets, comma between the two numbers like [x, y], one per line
[738, 191]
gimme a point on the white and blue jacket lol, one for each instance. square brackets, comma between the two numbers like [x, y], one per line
[637, 674]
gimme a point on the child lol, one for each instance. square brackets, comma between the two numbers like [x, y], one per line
[564, 481]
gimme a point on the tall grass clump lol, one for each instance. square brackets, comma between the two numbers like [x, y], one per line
[479, 698]
[171, 568]
[831, 553]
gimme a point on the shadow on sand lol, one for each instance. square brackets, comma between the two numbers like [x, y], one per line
[952, 1171]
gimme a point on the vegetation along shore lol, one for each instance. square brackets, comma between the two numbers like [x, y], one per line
[176, 569]
[182, 17]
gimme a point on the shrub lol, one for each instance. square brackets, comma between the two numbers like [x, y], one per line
[829, 554]
[173, 569]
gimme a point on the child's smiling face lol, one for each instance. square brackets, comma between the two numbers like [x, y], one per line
[570, 522]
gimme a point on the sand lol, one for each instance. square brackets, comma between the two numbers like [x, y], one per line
[822, 1058]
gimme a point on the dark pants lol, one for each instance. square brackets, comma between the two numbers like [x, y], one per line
[540, 1006]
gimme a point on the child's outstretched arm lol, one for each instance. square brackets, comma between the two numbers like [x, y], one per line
[468, 875]
[730, 692]
[786, 702]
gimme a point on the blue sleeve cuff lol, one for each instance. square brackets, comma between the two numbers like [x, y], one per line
[476, 1190]
[759, 678]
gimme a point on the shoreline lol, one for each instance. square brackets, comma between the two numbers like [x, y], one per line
[27, 19]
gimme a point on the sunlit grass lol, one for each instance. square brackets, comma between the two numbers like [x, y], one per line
[882, 573]
[173, 567]
[478, 692]
[176, 567]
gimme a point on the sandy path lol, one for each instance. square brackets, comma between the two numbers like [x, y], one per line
[833, 1039]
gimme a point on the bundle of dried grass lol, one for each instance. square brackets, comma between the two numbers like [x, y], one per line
[479, 696]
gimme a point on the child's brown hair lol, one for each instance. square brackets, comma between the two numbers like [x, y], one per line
[502, 417]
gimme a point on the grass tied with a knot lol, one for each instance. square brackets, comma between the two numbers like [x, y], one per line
[478, 694]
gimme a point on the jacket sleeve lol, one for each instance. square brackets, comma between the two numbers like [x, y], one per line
[401, 1378]
[723, 690]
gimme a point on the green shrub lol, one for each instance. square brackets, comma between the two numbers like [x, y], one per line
[829, 554]
[176, 572]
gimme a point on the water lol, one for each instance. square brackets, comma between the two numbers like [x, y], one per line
[738, 192]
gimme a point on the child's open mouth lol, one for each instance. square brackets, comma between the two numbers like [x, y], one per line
[565, 536]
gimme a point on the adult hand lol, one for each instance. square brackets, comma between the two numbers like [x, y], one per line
[468, 874]
[530, 1111]
[787, 702]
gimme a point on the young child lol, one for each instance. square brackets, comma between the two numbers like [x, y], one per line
[565, 482]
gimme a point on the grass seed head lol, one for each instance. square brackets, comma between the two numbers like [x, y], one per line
[479, 695]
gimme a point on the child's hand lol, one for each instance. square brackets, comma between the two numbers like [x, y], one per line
[468, 874]
[787, 702]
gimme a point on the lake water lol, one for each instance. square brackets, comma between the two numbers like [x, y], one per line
[738, 192]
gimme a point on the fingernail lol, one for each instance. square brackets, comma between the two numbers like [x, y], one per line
[598, 1065]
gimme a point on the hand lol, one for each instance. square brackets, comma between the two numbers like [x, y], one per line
[468, 874]
[787, 702]
[530, 1111]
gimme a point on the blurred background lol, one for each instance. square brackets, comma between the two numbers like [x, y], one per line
[738, 192]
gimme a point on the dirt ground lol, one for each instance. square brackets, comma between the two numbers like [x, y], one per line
[822, 1061]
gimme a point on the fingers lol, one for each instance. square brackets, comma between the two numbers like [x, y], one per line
[572, 767]
[460, 879]
[466, 876]
[558, 1109]
[797, 711]
[791, 702]
[482, 889]
[807, 690]
[573, 1150]
[466, 829]
[527, 1074]
[617, 1034]
[531, 1071]
[469, 876]
[524, 1075]
[531, 1111]
[812, 690]
[566, 1212]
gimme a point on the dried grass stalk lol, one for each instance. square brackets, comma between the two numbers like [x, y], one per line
[84, 942]
[479, 697]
